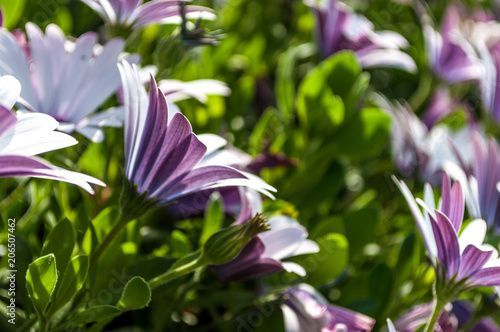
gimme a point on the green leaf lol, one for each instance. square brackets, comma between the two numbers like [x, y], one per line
[214, 216]
[284, 87]
[12, 11]
[97, 313]
[136, 295]
[60, 242]
[364, 135]
[180, 244]
[72, 281]
[41, 281]
[329, 262]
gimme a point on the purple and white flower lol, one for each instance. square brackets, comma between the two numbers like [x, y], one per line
[450, 55]
[29, 134]
[305, 309]
[163, 156]
[265, 253]
[338, 28]
[460, 258]
[67, 86]
[417, 149]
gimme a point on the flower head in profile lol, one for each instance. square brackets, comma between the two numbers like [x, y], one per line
[265, 252]
[338, 28]
[450, 55]
[462, 261]
[305, 309]
[25, 135]
[69, 86]
[134, 14]
[163, 156]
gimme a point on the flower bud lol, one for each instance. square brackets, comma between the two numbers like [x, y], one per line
[226, 244]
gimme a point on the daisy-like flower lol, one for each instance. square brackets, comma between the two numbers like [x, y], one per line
[163, 156]
[305, 309]
[130, 15]
[265, 252]
[338, 28]
[69, 86]
[450, 55]
[462, 261]
[28, 134]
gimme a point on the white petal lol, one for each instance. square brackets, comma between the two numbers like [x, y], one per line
[473, 234]
[10, 89]
[294, 268]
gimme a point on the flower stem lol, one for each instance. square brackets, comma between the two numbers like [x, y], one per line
[177, 272]
[438, 308]
[120, 224]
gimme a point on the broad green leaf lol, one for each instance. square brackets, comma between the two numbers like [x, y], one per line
[136, 295]
[41, 281]
[214, 216]
[329, 262]
[364, 135]
[60, 242]
[343, 70]
[180, 244]
[97, 313]
[72, 280]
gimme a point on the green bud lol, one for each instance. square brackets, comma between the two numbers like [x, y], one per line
[226, 244]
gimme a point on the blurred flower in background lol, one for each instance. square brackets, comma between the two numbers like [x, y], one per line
[338, 28]
[304, 309]
[25, 135]
[68, 86]
[124, 16]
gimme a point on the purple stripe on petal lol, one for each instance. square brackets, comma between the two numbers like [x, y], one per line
[447, 243]
[486, 277]
[472, 260]
[199, 179]
[353, 320]
[249, 264]
[7, 120]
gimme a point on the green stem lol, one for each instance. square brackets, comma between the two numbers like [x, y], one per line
[177, 272]
[14, 194]
[120, 224]
[422, 93]
[438, 308]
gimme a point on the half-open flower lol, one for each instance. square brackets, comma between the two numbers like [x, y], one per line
[305, 309]
[264, 254]
[69, 86]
